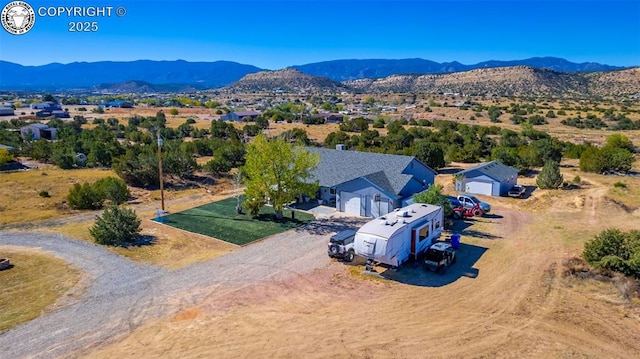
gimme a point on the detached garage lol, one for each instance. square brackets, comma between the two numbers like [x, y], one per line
[489, 179]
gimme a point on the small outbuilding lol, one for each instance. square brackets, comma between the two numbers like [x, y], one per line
[6, 111]
[37, 131]
[489, 179]
[241, 116]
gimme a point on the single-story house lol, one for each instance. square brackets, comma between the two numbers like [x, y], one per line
[490, 179]
[54, 113]
[119, 104]
[329, 117]
[37, 131]
[6, 111]
[47, 106]
[240, 116]
[366, 183]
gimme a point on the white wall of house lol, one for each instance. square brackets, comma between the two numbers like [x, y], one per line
[360, 197]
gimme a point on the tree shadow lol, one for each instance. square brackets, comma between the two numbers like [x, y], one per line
[142, 240]
[415, 273]
[324, 226]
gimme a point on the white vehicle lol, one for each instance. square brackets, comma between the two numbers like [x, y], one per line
[341, 245]
[393, 238]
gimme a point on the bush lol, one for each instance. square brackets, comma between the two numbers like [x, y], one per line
[550, 176]
[44, 194]
[116, 227]
[577, 179]
[113, 189]
[620, 185]
[615, 250]
[84, 196]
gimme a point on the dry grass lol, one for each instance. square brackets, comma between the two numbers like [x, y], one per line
[19, 192]
[33, 285]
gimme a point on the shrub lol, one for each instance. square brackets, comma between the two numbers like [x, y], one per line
[615, 250]
[550, 176]
[577, 179]
[84, 196]
[116, 226]
[113, 189]
[620, 185]
[44, 194]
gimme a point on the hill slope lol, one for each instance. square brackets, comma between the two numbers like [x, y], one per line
[510, 81]
[287, 80]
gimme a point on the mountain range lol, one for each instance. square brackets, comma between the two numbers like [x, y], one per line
[204, 75]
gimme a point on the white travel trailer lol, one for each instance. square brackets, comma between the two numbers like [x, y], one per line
[393, 238]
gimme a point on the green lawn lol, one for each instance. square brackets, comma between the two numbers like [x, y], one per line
[220, 220]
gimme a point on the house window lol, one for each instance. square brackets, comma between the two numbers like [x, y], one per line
[332, 190]
[423, 234]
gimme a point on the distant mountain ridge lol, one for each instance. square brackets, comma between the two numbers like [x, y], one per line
[200, 75]
[205, 75]
[345, 70]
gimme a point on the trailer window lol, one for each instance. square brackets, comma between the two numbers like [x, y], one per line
[423, 234]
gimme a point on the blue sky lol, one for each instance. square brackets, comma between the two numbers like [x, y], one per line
[276, 34]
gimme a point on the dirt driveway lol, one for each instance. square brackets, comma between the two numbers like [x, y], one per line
[121, 295]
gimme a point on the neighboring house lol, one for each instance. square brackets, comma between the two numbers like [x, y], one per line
[240, 116]
[6, 111]
[490, 179]
[47, 106]
[54, 113]
[329, 117]
[119, 104]
[369, 184]
[37, 131]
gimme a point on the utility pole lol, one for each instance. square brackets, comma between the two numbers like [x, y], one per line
[160, 168]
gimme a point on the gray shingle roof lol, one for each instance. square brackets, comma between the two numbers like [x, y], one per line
[384, 170]
[494, 169]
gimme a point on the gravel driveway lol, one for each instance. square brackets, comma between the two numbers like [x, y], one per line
[121, 294]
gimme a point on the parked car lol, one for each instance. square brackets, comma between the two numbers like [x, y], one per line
[341, 245]
[439, 256]
[469, 201]
[517, 191]
[454, 202]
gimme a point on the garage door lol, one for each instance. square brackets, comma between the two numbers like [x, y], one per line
[377, 208]
[478, 187]
[350, 202]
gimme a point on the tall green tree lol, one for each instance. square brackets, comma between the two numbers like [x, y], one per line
[550, 176]
[277, 170]
[434, 195]
[429, 153]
